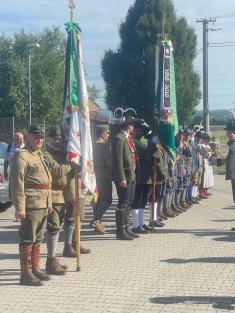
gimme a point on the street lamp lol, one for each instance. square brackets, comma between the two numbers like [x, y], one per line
[31, 46]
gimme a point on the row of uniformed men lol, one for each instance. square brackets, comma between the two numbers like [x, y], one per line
[177, 183]
[128, 164]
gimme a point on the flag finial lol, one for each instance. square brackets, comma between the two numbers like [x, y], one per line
[72, 7]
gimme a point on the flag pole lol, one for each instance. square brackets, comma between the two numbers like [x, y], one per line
[77, 169]
[161, 37]
[154, 182]
[77, 218]
[155, 128]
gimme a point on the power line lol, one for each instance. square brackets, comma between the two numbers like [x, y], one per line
[225, 16]
[222, 43]
[221, 46]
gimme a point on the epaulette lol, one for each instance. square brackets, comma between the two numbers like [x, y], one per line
[21, 151]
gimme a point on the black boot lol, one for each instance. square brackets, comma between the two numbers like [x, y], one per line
[175, 209]
[139, 230]
[27, 278]
[131, 233]
[121, 233]
[158, 224]
[127, 225]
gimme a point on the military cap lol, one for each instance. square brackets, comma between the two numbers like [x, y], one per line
[127, 121]
[54, 132]
[141, 124]
[187, 131]
[205, 136]
[191, 126]
[230, 125]
[36, 130]
[199, 134]
[102, 128]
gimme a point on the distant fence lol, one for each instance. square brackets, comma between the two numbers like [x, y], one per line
[8, 125]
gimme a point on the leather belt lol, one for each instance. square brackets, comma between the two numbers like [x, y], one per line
[57, 187]
[37, 186]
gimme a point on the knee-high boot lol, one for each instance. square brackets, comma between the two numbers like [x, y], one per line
[27, 278]
[121, 233]
[35, 264]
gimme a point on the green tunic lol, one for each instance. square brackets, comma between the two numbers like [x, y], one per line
[123, 162]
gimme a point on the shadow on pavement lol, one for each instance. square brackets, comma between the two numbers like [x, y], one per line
[8, 237]
[231, 207]
[6, 256]
[6, 282]
[9, 272]
[9, 281]
[95, 238]
[228, 235]
[16, 226]
[223, 221]
[227, 260]
[223, 303]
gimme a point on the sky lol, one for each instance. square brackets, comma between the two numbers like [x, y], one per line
[100, 20]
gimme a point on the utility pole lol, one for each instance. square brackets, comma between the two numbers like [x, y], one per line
[205, 23]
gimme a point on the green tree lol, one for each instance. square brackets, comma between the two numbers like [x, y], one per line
[47, 71]
[129, 72]
[94, 92]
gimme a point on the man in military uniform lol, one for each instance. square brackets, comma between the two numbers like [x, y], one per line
[143, 177]
[30, 185]
[124, 164]
[103, 172]
[61, 172]
[230, 160]
[63, 199]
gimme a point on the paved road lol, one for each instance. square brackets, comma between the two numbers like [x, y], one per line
[189, 266]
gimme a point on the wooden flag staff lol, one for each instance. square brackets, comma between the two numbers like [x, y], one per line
[77, 218]
[77, 185]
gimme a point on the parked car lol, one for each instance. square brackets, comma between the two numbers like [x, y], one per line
[5, 202]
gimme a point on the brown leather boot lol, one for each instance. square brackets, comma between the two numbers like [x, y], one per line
[69, 251]
[35, 264]
[171, 211]
[27, 278]
[82, 249]
[53, 267]
[168, 213]
[64, 266]
[98, 227]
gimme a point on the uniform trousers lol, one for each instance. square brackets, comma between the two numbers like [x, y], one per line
[233, 188]
[141, 196]
[59, 213]
[33, 226]
[104, 200]
[125, 199]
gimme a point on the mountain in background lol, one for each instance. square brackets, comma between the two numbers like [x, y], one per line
[217, 117]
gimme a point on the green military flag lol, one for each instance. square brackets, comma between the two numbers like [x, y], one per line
[166, 107]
